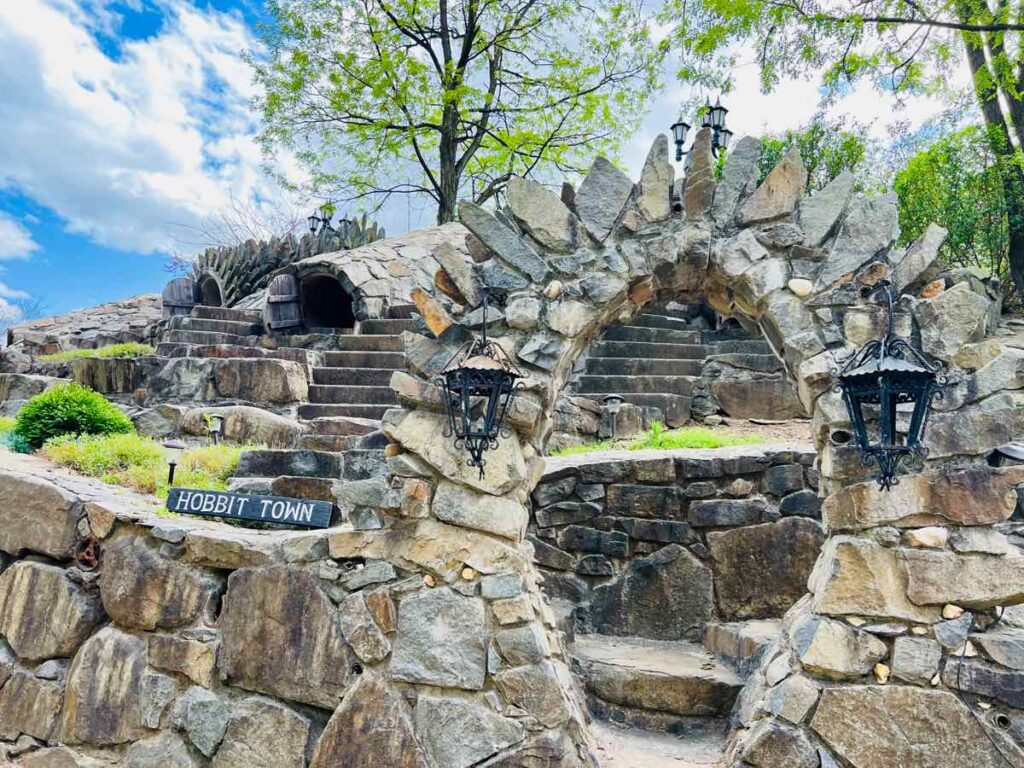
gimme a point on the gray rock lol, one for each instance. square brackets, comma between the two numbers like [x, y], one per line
[665, 596]
[538, 689]
[156, 693]
[721, 512]
[522, 645]
[955, 317]
[542, 214]
[793, 698]
[819, 213]
[500, 586]
[985, 679]
[915, 659]
[870, 228]
[601, 287]
[523, 312]
[460, 270]
[496, 277]
[833, 649]
[735, 255]
[458, 733]
[441, 640]
[360, 630]
[920, 263]
[980, 540]
[556, 490]
[263, 732]
[951, 634]
[805, 503]
[601, 198]
[550, 556]
[203, 717]
[1004, 645]
[595, 565]
[771, 743]
[655, 181]
[506, 244]
[739, 179]
[544, 351]
[778, 194]
[459, 505]
[579, 538]
[372, 572]
[165, 750]
[699, 191]
[570, 318]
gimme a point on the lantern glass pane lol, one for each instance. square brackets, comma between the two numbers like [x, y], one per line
[717, 113]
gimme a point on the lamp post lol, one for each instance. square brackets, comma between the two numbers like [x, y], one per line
[712, 117]
[173, 451]
[881, 379]
[478, 386]
[614, 404]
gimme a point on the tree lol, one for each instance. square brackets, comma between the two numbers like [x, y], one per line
[955, 183]
[902, 46]
[450, 97]
[827, 148]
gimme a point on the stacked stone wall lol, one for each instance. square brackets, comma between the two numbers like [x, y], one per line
[711, 535]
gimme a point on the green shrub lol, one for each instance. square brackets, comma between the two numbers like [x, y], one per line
[70, 409]
[131, 349]
[138, 462]
[659, 438]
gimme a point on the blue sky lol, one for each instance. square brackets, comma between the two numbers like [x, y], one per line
[126, 131]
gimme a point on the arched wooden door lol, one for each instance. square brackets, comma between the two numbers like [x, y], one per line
[282, 309]
[179, 296]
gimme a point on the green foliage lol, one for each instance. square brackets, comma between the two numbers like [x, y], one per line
[447, 98]
[956, 184]
[9, 439]
[131, 349]
[659, 438]
[138, 462]
[827, 148]
[68, 409]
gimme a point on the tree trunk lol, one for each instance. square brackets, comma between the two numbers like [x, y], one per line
[448, 174]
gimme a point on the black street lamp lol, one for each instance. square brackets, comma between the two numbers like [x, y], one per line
[881, 379]
[712, 117]
[478, 385]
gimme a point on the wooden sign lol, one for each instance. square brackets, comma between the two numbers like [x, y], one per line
[277, 510]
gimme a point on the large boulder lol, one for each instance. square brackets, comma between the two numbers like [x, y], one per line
[820, 213]
[459, 733]
[955, 317]
[280, 635]
[762, 570]
[141, 589]
[904, 725]
[37, 516]
[542, 214]
[655, 181]
[666, 596]
[779, 192]
[245, 424]
[266, 380]
[43, 613]
[601, 198]
[870, 228]
[29, 705]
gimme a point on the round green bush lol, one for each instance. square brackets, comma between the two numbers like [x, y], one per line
[70, 409]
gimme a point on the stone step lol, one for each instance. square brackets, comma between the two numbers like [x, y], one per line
[274, 463]
[623, 385]
[343, 425]
[340, 393]
[736, 333]
[370, 343]
[622, 747]
[675, 309]
[203, 338]
[637, 676]
[361, 411]
[171, 349]
[226, 313]
[629, 366]
[647, 320]
[389, 325]
[329, 443]
[740, 642]
[402, 311]
[652, 335]
[354, 376]
[675, 409]
[355, 359]
[187, 323]
[363, 464]
[303, 487]
[650, 351]
[740, 346]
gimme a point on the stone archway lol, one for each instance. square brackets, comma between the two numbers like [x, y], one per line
[794, 266]
[325, 302]
[208, 287]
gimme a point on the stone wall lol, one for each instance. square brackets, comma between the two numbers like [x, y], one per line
[192, 643]
[708, 535]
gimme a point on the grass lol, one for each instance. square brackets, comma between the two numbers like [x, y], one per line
[137, 462]
[659, 438]
[131, 349]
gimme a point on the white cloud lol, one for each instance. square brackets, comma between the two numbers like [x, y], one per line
[15, 240]
[126, 147]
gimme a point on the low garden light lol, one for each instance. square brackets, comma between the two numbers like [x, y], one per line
[478, 385]
[215, 424]
[173, 451]
[882, 379]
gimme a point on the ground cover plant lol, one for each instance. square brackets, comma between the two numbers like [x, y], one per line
[131, 349]
[659, 438]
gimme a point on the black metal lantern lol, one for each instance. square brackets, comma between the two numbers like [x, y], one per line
[881, 380]
[722, 138]
[479, 384]
[705, 115]
[680, 128]
[314, 222]
[716, 115]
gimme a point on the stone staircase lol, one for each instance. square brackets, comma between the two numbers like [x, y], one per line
[666, 704]
[656, 360]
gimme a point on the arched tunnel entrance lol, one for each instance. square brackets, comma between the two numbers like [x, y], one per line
[326, 303]
[209, 293]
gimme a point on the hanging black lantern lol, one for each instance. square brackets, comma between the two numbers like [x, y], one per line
[479, 384]
[881, 380]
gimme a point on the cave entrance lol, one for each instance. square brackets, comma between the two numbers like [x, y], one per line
[325, 303]
[209, 292]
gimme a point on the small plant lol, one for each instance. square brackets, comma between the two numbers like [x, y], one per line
[138, 462]
[70, 409]
[659, 438]
[131, 349]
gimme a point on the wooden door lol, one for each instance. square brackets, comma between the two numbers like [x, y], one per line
[282, 308]
[179, 296]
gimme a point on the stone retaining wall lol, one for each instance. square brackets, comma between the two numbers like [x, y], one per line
[706, 535]
[192, 643]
